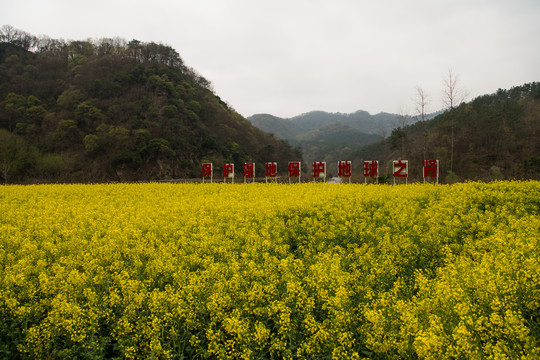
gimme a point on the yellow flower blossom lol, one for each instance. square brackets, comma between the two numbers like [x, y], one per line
[253, 271]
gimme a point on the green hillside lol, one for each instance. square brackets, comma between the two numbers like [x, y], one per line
[298, 127]
[107, 109]
[492, 137]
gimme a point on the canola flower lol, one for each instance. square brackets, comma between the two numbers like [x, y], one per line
[257, 271]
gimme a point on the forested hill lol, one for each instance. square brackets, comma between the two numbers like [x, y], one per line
[109, 109]
[331, 137]
[494, 136]
[313, 121]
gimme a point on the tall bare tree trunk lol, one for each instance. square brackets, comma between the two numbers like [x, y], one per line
[421, 108]
[452, 96]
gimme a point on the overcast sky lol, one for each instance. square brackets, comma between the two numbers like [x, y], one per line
[287, 57]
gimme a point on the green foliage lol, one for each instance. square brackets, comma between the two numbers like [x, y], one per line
[451, 177]
[496, 174]
[75, 61]
[21, 128]
[50, 165]
[169, 111]
[142, 135]
[531, 167]
[194, 106]
[15, 102]
[91, 143]
[34, 114]
[66, 134]
[126, 157]
[119, 135]
[88, 116]
[158, 147]
[192, 116]
[33, 101]
[156, 83]
[397, 141]
[14, 107]
[12, 59]
[70, 98]
[161, 85]
[211, 143]
[15, 156]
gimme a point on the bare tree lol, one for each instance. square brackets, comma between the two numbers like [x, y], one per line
[382, 131]
[453, 95]
[17, 37]
[402, 120]
[422, 103]
[8, 33]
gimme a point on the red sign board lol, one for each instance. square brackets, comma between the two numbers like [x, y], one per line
[228, 170]
[431, 168]
[249, 170]
[294, 168]
[207, 170]
[271, 169]
[371, 168]
[344, 169]
[401, 168]
[319, 169]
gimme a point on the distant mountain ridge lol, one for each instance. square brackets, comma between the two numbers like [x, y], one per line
[326, 136]
[282, 128]
[290, 128]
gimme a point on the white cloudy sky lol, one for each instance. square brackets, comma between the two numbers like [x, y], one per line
[287, 57]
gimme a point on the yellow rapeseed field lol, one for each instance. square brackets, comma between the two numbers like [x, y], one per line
[258, 271]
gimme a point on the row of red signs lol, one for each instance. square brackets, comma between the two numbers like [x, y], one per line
[371, 169]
